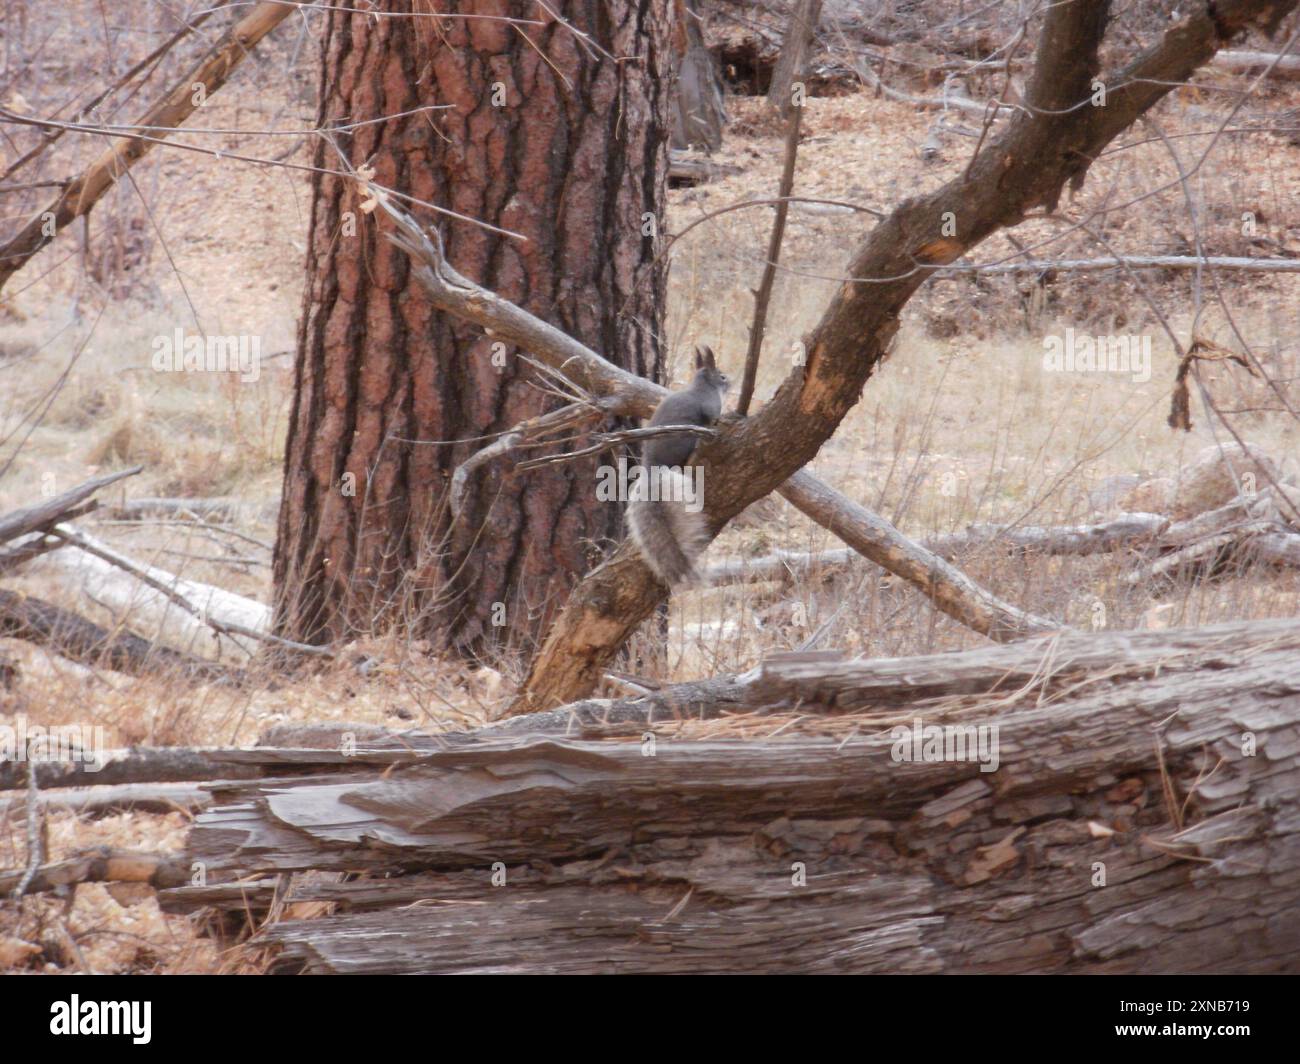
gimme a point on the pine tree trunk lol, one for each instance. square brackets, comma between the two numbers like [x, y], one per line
[542, 133]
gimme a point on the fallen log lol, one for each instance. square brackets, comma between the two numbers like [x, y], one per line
[74, 637]
[102, 866]
[213, 618]
[1281, 67]
[217, 508]
[1124, 532]
[144, 764]
[1239, 263]
[951, 590]
[1143, 815]
[120, 798]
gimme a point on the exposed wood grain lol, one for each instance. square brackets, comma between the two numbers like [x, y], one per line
[928, 866]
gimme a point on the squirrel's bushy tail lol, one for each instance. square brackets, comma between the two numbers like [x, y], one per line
[669, 537]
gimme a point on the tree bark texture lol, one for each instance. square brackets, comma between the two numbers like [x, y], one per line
[542, 131]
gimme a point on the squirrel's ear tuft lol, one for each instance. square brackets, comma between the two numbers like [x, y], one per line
[704, 357]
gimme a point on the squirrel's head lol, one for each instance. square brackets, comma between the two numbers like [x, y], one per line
[706, 369]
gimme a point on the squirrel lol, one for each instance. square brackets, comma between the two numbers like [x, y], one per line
[669, 536]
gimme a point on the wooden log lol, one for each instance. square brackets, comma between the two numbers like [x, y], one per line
[218, 508]
[1124, 532]
[119, 798]
[1143, 816]
[1237, 263]
[134, 765]
[951, 590]
[134, 589]
[103, 866]
[73, 636]
[1283, 68]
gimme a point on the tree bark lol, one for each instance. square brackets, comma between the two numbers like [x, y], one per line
[1144, 816]
[546, 134]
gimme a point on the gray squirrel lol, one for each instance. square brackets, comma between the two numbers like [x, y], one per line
[669, 536]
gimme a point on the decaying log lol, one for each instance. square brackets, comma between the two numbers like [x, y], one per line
[119, 798]
[1144, 816]
[135, 765]
[216, 508]
[213, 623]
[948, 588]
[1282, 67]
[103, 866]
[1124, 532]
[1133, 262]
[78, 639]
[686, 169]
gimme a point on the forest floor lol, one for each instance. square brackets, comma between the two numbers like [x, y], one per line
[962, 424]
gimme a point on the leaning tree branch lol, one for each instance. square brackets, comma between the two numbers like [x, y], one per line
[627, 394]
[84, 191]
[1048, 143]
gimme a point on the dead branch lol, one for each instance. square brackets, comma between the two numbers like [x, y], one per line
[157, 798]
[220, 626]
[211, 509]
[85, 190]
[137, 765]
[1282, 67]
[876, 539]
[1134, 262]
[43, 516]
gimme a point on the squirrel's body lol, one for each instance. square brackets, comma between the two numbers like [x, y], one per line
[669, 536]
